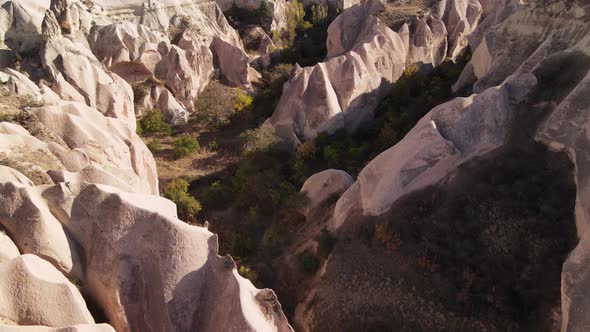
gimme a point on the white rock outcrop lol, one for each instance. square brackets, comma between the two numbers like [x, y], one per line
[147, 269]
[8, 249]
[365, 57]
[34, 292]
[79, 187]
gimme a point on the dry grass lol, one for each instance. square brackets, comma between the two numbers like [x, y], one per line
[398, 12]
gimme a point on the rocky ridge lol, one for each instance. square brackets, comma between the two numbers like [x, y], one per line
[362, 64]
[529, 72]
[79, 188]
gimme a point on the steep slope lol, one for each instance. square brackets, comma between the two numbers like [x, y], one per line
[510, 139]
[79, 188]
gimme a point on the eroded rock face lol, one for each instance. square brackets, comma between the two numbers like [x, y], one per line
[79, 187]
[127, 241]
[8, 249]
[34, 292]
[363, 64]
[203, 23]
[532, 67]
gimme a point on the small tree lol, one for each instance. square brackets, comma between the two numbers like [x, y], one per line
[260, 139]
[319, 15]
[241, 100]
[177, 191]
[153, 123]
[294, 16]
[185, 145]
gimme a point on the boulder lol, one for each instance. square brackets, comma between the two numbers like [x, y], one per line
[26, 216]
[91, 138]
[322, 186]
[34, 292]
[130, 50]
[201, 24]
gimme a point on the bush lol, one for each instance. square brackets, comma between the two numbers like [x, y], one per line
[258, 140]
[153, 123]
[177, 191]
[185, 145]
[248, 273]
[214, 106]
[326, 243]
[319, 15]
[154, 146]
[216, 195]
[294, 15]
[213, 145]
[331, 156]
[240, 247]
[307, 150]
[241, 100]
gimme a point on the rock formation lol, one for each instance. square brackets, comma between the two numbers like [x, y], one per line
[79, 188]
[362, 65]
[530, 74]
[34, 292]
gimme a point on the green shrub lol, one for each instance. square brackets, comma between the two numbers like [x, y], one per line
[309, 263]
[214, 106]
[306, 150]
[177, 191]
[241, 100]
[240, 247]
[256, 140]
[331, 156]
[154, 146]
[248, 273]
[294, 16]
[216, 195]
[138, 129]
[153, 123]
[185, 145]
[319, 15]
[213, 145]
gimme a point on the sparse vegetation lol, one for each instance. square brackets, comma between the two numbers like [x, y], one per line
[177, 191]
[241, 100]
[185, 145]
[248, 273]
[154, 146]
[153, 123]
[215, 105]
[258, 140]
